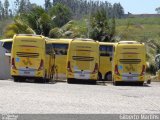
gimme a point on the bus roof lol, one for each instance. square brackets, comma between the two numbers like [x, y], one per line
[107, 43]
[6, 40]
[84, 39]
[61, 40]
[129, 42]
[28, 36]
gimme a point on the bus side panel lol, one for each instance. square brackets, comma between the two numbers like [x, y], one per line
[106, 54]
[61, 66]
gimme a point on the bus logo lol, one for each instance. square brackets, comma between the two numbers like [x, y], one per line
[27, 61]
[130, 68]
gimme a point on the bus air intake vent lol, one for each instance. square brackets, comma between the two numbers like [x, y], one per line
[27, 54]
[130, 61]
[82, 58]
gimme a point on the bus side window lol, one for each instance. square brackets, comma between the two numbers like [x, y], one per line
[60, 49]
[106, 50]
[49, 49]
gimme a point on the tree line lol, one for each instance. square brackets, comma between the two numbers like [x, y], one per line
[81, 8]
[78, 8]
[57, 18]
[5, 12]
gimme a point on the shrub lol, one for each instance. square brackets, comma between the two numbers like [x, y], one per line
[55, 33]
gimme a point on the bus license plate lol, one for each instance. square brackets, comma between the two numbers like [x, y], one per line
[82, 75]
[27, 72]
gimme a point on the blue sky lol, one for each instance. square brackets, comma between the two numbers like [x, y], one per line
[138, 6]
[132, 6]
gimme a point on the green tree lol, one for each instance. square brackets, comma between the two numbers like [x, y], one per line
[55, 33]
[102, 28]
[6, 7]
[81, 8]
[1, 10]
[16, 6]
[60, 14]
[38, 20]
[158, 10]
[47, 5]
[10, 13]
[45, 22]
[18, 27]
[118, 10]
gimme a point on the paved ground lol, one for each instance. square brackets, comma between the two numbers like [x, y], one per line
[78, 98]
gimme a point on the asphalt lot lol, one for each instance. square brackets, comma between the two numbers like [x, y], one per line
[60, 97]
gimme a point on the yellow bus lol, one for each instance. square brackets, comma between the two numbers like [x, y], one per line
[60, 47]
[106, 54]
[31, 58]
[83, 60]
[129, 62]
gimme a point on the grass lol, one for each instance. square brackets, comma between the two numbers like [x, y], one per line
[138, 28]
[148, 21]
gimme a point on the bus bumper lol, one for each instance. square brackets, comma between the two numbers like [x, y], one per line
[21, 73]
[78, 76]
[129, 78]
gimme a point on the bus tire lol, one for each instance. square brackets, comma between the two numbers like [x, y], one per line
[140, 83]
[99, 76]
[115, 83]
[94, 82]
[19, 79]
[16, 79]
[39, 80]
[108, 76]
[69, 80]
[46, 80]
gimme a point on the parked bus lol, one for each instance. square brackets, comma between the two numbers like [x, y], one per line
[83, 60]
[60, 47]
[129, 62]
[106, 54]
[31, 58]
[7, 44]
[4, 60]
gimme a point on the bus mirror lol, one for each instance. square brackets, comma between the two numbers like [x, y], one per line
[110, 58]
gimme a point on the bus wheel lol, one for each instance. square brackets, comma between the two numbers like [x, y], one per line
[140, 83]
[46, 80]
[16, 79]
[115, 83]
[94, 82]
[19, 79]
[69, 80]
[99, 76]
[108, 76]
[39, 80]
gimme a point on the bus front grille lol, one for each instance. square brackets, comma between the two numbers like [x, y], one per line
[82, 58]
[27, 54]
[130, 61]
